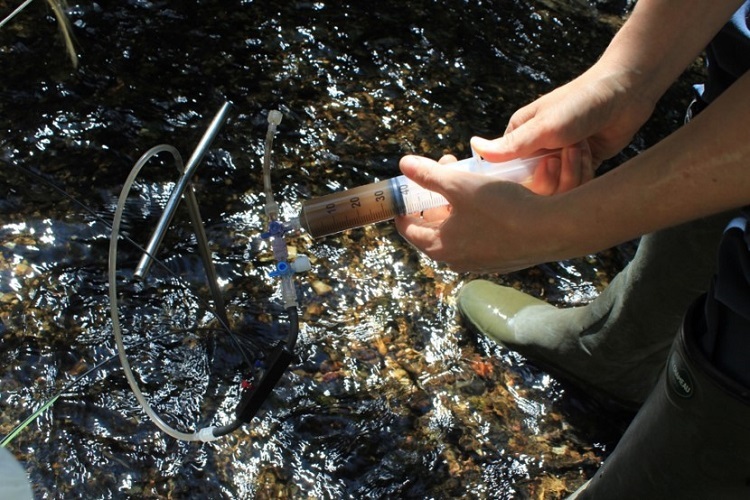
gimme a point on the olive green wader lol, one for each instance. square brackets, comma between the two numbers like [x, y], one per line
[690, 439]
[616, 346]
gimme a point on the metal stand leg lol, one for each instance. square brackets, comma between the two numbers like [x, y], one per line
[205, 253]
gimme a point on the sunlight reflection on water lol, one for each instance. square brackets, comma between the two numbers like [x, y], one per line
[390, 395]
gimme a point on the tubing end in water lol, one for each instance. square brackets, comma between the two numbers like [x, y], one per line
[274, 117]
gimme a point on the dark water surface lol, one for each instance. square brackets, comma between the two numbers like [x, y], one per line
[391, 396]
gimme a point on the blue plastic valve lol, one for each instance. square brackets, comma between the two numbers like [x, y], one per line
[282, 269]
[275, 228]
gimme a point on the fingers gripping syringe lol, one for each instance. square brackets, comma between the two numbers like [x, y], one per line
[385, 200]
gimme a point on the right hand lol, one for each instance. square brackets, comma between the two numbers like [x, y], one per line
[599, 111]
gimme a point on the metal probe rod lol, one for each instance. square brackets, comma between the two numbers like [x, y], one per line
[166, 218]
[206, 257]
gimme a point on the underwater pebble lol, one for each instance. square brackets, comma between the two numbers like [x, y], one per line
[313, 309]
[23, 269]
[321, 288]
[9, 298]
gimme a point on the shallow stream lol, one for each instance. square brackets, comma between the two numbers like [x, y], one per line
[391, 396]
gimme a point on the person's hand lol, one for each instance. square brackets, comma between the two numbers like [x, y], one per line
[443, 233]
[489, 226]
[598, 112]
[562, 172]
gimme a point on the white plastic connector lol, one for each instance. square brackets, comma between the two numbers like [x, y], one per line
[272, 208]
[301, 264]
[288, 291]
[207, 434]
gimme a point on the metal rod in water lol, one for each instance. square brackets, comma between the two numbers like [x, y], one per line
[205, 253]
[141, 271]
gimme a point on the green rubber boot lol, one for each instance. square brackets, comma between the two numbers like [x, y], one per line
[615, 346]
[690, 440]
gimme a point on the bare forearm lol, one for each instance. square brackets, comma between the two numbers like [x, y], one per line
[662, 37]
[701, 169]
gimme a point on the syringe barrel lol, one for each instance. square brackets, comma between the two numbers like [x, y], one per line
[381, 201]
[354, 207]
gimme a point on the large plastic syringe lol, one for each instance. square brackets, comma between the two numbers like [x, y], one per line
[384, 200]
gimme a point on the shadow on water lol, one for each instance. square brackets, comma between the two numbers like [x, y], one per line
[390, 395]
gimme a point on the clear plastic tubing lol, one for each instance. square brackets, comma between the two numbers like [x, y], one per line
[381, 201]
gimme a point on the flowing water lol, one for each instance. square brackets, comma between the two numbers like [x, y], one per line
[390, 395]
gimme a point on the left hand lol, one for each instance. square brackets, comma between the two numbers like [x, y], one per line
[469, 234]
[489, 225]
